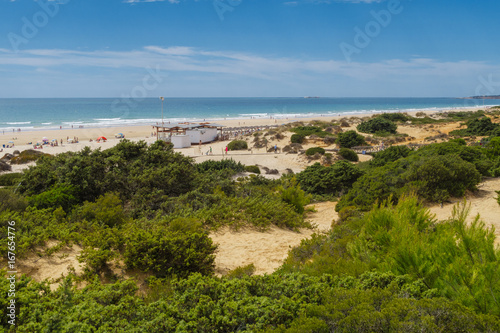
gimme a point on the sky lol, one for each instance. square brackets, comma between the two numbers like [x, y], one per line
[249, 48]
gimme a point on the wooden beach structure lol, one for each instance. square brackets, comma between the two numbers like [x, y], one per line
[183, 135]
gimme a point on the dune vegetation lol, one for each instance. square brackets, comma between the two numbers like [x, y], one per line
[387, 265]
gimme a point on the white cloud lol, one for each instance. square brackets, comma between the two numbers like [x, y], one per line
[223, 68]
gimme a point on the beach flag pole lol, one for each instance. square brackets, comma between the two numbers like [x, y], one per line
[161, 98]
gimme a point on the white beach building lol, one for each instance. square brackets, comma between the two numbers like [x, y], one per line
[182, 135]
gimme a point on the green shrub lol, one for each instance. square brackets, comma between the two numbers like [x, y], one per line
[333, 179]
[395, 116]
[350, 139]
[96, 260]
[237, 145]
[315, 150]
[390, 154]
[477, 127]
[495, 133]
[129, 169]
[57, 196]
[260, 210]
[10, 179]
[11, 201]
[309, 130]
[439, 177]
[349, 154]
[493, 147]
[167, 254]
[433, 177]
[27, 156]
[297, 138]
[211, 165]
[107, 210]
[450, 257]
[460, 141]
[252, 169]
[241, 272]
[292, 194]
[378, 124]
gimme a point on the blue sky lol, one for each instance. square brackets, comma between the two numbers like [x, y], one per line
[218, 48]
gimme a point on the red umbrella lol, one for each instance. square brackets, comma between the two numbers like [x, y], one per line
[101, 138]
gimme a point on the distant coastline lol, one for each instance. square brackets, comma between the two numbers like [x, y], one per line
[483, 97]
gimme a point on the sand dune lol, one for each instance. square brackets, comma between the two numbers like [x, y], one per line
[482, 202]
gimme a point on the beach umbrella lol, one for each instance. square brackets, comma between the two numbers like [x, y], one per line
[101, 138]
[11, 141]
[54, 140]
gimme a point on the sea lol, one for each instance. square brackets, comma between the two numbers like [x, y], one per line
[53, 113]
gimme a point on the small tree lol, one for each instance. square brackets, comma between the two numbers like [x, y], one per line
[237, 145]
[292, 194]
[297, 138]
[314, 150]
[377, 125]
[350, 139]
[349, 154]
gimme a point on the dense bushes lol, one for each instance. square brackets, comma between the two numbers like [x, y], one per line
[439, 177]
[252, 169]
[349, 154]
[57, 196]
[334, 179]
[11, 201]
[128, 169]
[373, 302]
[10, 179]
[165, 254]
[350, 139]
[211, 165]
[389, 154]
[456, 259]
[477, 127]
[395, 117]
[297, 138]
[237, 145]
[292, 194]
[309, 130]
[435, 178]
[27, 156]
[394, 268]
[315, 150]
[435, 172]
[376, 125]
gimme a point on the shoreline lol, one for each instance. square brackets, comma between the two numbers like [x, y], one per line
[121, 123]
[22, 139]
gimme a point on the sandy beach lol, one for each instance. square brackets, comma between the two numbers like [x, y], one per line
[23, 140]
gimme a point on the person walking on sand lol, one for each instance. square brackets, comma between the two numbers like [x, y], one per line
[226, 150]
[210, 150]
[275, 148]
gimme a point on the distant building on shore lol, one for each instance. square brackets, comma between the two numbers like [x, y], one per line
[183, 135]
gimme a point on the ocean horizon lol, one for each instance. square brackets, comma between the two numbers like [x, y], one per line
[52, 113]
